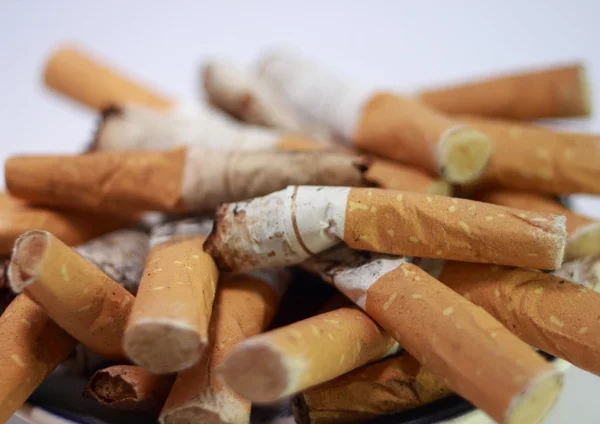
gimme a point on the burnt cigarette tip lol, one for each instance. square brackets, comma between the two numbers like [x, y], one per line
[26, 256]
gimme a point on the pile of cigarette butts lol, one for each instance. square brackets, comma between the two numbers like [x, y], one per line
[437, 219]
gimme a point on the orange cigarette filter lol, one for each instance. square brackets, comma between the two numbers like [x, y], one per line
[32, 347]
[553, 92]
[544, 310]
[77, 295]
[83, 78]
[244, 306]
[584, 233]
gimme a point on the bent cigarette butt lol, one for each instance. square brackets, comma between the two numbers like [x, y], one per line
[584, 271]
[129, 388]
[32, 346]
[244, 306]
[544, 310]
[449, 335]
[76, 295]
[18, 216]
[83, 78]
[390, 386]
[552, 92]
[167, 330]
[584, 233]
[289, 359]
[385, 124]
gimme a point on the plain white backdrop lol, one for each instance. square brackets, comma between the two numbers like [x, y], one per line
[387, 43]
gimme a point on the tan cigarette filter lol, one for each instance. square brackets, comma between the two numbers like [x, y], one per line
[244, 306]
[167, 330]
[288, 226]
[387, 387]
[78, 296]
[129, 388]
[18, 216]
[552, 92]
[379, 122]
[287, 360]
[32, 347]
[584, 233]
[544, 310]
[83, 78]
[459, 342]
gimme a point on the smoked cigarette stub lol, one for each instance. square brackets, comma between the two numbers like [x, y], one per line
[84, 79]
[287, 360]
[584, 271]
[32, 347]
[554, 92]
[244, 306]
[387, 387]
[168, 327]
[544, 310]
[79, 297]
[584, 233]
[129, 388]
[458, 341]
[291, 225]
[386, 124]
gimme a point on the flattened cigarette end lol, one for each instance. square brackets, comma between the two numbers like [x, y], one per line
[536, 401]
[464, 155]
[26, 257]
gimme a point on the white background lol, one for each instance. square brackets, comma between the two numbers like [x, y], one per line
[400, 44]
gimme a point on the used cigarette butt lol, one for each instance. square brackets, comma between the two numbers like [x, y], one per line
[382, 123]
[129, 388]
[584, 233]
[287, 360]
[77, 295]
[18, 216]
[291, 225]
[244, 306]
[83, 78]
[459, 342]
[584, 271]
[544, 310]
[390, 386]
[551, 92]
[32, 346]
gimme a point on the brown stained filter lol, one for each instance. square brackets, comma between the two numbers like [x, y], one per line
[554, 92]
[544, 310]
[387, 387]
[244, 306]
[396, 176]
[129, 388]
[401, 129]
[290, 359]
[79, 76]
[32, 347]
[119, 182]
[584, 233]
[464, 346]
[78, 296]
[168, 327]
[405, 223]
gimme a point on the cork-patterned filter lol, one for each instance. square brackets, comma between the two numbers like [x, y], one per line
[78, 296]
[431, 226]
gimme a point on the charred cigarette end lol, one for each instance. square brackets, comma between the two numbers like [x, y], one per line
[105, 116]
[584, 242]
[300, 409]
[27, 254]
[464, 155]
[213, 241]
[536, 401]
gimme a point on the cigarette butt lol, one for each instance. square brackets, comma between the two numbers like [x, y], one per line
[544, 310]
[32, 346]
[287, 360]
[167, 330]
[78, 296]
[584, 271]
[584, 233]
[18, 216]
[129, 388]
[81, 77]
[459, 342]
[244, 306]
[390, 386]
[396, 176]
[552, 92]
